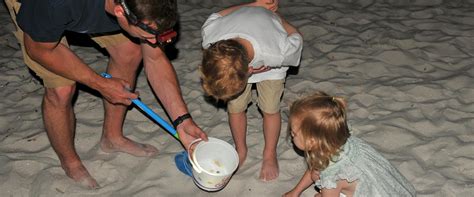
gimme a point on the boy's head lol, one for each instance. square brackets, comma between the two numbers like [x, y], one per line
[224, 69]
[148, 20]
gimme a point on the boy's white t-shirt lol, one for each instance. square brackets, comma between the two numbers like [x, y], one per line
[272, 45]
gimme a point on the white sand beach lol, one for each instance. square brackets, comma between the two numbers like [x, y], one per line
[406, 68]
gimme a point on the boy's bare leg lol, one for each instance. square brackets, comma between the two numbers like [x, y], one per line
[59, 122]
[271, 131]
[238, 127]
[124, 61]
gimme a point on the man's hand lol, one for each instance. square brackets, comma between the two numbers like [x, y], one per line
[268, 4]
[188, 131]
[116, 91]
[260, 69]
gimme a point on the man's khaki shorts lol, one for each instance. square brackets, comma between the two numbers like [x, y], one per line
[51, 80]
[269, 94]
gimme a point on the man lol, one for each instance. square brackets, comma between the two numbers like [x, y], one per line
[111, 23]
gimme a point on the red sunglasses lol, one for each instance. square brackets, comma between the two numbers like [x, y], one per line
[162, 37]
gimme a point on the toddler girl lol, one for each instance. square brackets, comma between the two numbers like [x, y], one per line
[339, 162]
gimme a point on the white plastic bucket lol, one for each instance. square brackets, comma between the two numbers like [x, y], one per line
[213, 163]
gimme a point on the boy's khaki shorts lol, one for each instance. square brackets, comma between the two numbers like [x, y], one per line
[51, 80]
[268, 100]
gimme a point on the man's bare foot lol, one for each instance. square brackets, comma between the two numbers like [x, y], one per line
[269, 169]
[77, 172]
[127, 146]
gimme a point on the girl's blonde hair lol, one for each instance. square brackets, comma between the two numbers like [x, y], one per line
[323, 127]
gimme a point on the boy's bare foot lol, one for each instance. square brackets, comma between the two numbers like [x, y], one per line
[127, 146]
[242, 152]
[77, 172]
[270, 170]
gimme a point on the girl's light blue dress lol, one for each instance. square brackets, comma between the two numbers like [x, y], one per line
[374, 174]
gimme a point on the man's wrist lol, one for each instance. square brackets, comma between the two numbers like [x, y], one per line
[181, 119]
[95, 82]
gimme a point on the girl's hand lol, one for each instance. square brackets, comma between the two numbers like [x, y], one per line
[268, 4]
[315, 175]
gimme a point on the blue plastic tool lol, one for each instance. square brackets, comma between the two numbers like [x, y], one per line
[150, 112]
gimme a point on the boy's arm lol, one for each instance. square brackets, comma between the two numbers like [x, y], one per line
[304, 183]
[268, 4]
[290, 29]
[292, 49]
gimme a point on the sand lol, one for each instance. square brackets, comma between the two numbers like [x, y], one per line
[405, 67]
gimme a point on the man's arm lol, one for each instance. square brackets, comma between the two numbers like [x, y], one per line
[60, 60]
[163, 79]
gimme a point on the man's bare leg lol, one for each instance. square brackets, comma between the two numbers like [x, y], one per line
[271, 131]
[124, 61]
[59, 121]
[238, 127]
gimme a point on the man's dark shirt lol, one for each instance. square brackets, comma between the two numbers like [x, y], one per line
[46, 20]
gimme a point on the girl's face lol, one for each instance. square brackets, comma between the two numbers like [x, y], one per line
[296, 134]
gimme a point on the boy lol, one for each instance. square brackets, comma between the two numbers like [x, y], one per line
[245, 45]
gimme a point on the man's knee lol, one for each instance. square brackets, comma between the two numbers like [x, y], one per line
[131, 56]
[60, 96]
[127, 54]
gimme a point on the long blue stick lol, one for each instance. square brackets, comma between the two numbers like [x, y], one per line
[150, 112]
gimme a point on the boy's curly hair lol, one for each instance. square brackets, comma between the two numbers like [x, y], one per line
[323, 127]
[163, 12]
[224, 69]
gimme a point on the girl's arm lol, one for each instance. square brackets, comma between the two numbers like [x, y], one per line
[304, 183]
[330, 192]
[349, 189]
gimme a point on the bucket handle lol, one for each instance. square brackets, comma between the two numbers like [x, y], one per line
[195, 165]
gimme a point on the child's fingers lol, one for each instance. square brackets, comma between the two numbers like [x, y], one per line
[272, 3]
[260, 69]
[273, 6]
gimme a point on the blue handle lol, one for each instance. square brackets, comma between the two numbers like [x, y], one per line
[150, 112]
